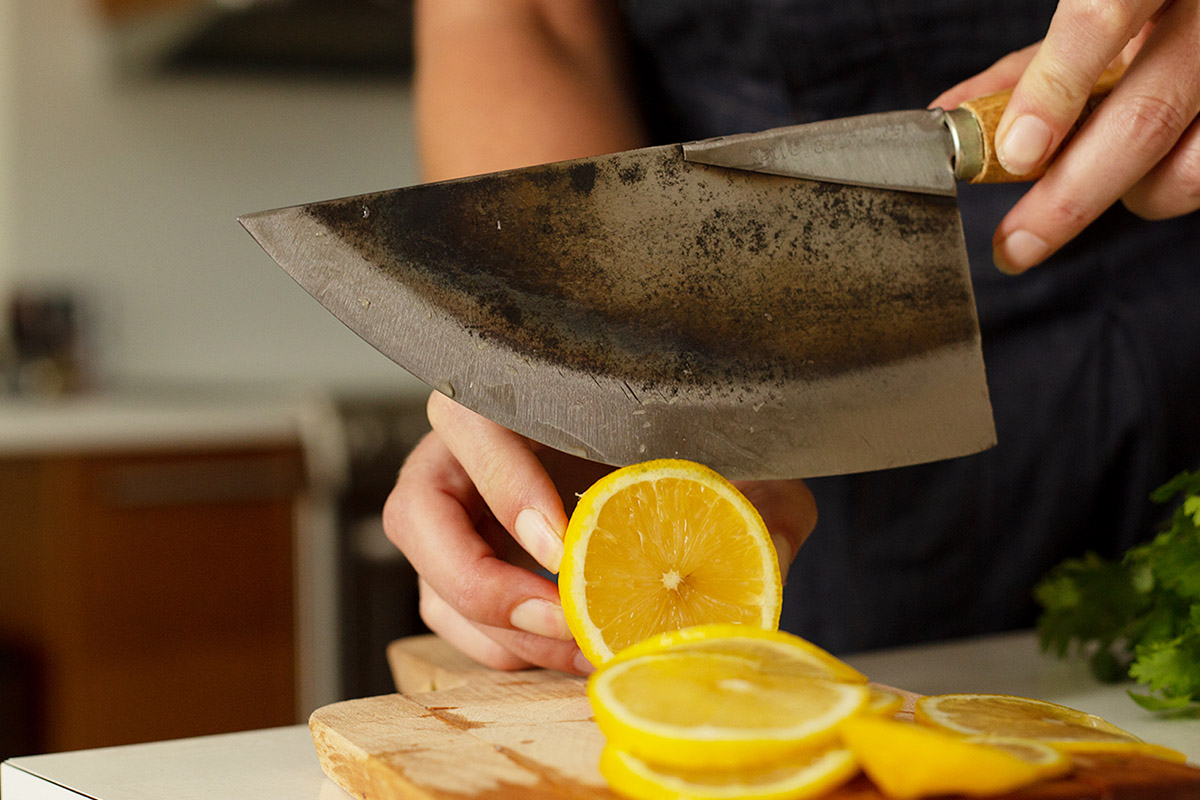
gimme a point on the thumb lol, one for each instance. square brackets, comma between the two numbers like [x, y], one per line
[789, 511]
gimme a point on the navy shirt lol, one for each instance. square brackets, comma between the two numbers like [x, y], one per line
[1093, 359]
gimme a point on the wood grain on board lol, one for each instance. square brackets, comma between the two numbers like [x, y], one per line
[459, 730]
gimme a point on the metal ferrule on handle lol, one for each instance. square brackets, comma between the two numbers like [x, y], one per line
[967, 138]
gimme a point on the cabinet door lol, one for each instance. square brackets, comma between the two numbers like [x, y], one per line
[167, 594]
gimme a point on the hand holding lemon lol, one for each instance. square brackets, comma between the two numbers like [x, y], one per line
[478, 509]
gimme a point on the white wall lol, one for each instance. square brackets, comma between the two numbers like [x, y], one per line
[8, 79]
[128, 190]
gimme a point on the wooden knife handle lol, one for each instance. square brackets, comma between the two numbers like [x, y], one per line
[987, 111]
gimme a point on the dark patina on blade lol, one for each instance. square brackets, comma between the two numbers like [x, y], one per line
[636, 306]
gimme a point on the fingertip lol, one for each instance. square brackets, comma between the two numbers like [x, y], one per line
[783, 551]
[539, 537]
[541, 618]
[961, 93]
[1024, 144]
[1018, 251]
[581, 665]
[1001, 266]
[438, 406]
[947, 99]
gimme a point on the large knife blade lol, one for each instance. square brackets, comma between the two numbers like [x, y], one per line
[791, 303]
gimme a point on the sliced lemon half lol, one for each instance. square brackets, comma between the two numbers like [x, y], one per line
[664, 545]
[809, 775]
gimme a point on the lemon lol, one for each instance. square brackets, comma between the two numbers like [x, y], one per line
[906, 760]
[725, 707]
[809, 775]
[1062, 727]
[664, 545]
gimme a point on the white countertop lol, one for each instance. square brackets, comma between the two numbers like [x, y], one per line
[156, 418]
[139, 419]
[272, 763]
[281, 763]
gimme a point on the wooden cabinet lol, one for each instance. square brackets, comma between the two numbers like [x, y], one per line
[152, 591]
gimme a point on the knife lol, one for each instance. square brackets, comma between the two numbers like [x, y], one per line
[789, 303]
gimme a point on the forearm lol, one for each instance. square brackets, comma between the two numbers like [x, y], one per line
[509, 83]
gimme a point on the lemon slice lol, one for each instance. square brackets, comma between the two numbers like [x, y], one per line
[1066, 729]
[1120, 749]
[883, 702]
[810, 775]
[771, 650]
[660, 546]
[717, 709]
[1006, 715]
[908, 761]
[1035, 752]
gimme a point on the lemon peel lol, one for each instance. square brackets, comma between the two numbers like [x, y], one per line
[771, 649]
[809, 775]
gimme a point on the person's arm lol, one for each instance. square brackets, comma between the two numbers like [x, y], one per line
[507, 83]
[510, 83]
[1141, 146]
[501, 84]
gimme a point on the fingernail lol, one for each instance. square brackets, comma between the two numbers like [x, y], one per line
[783, 549]
[582, 665]
[533, 531]
[541, 618]
[1019, 251]
[1024, 144]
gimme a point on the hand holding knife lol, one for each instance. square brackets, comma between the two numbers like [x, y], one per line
[530, 484]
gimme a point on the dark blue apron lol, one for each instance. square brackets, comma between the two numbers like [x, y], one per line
[1093, 359]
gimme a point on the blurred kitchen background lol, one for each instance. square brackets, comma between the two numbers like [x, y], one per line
[193, 454]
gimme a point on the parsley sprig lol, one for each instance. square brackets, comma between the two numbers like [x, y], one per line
[1138, 617]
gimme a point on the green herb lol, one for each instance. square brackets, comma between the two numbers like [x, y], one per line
[1138, 617]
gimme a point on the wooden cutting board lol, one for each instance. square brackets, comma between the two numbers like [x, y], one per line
[459, 730]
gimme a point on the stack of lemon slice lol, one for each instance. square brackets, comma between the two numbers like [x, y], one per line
[726, 711]
[670, 585]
